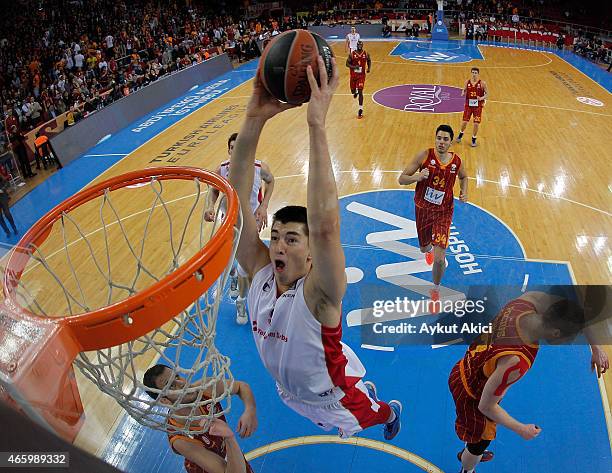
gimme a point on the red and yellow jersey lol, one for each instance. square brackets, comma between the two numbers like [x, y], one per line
[480, 360]
[473, 92]
[359, 59]
[210, 442]
[436, 192]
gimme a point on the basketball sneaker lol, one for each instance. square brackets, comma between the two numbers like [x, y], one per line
[458, 140]
[360, 114]
[241, 312]
[474, 144]
[486, 456]
[429, 257]
[355, 95]
[392, 428]
[233, 292]
[371, 387]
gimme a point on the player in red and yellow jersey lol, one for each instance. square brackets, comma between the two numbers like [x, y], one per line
[495, 361]
[357, 62]
[215, 451]
[476, 92]
[435, 171]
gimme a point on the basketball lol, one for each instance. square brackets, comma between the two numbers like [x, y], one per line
[283, 64]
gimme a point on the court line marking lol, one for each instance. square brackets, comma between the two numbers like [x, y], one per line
[546, 194]
[451, 342]
[376, 347]
[525, 281]
[467, 64]
[551, 107]
[235, 97]
[431, 44]
[416, 460]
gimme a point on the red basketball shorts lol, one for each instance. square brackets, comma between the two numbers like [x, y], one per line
[475, 112]
[433, 227]
[471, 425]
[357, 82]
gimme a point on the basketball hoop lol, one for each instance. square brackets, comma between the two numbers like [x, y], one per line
[95, 280]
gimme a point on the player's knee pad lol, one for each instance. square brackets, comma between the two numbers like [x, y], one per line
[478, 448]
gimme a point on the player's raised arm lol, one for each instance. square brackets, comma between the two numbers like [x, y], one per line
[252, 254]
[411, 173]
[508, 371]
[326, 282]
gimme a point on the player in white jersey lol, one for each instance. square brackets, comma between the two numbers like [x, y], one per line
[258, 202]
[352, 39]
[295, 299]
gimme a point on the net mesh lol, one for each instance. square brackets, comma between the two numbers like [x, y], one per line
[110, 248]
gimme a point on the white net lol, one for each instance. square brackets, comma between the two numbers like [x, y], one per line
[112, 247]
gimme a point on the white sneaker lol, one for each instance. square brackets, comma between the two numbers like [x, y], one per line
[241, 312]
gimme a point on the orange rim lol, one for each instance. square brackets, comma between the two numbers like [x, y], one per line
[152, 307]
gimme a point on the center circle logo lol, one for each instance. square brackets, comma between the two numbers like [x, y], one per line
[423, 98]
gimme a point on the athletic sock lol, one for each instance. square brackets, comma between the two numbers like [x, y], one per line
[474, 139]
[361, 107]
[463, 470]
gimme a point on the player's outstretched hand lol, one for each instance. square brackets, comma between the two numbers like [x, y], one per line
[599, 360]
[262, 105]
[220, 429]
[529, 431]
[321, 96]
[247, 424]
[424, 174]
[463, 197]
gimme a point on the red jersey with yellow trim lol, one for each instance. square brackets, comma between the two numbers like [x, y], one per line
[359, 59]
[481, 358]
[436, 192]
[472, 93]
[212, 443]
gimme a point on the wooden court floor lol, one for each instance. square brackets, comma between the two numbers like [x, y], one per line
[541, 165]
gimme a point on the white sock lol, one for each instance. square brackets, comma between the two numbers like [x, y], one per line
[436, 287]
[361, 107]
[467, 471]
